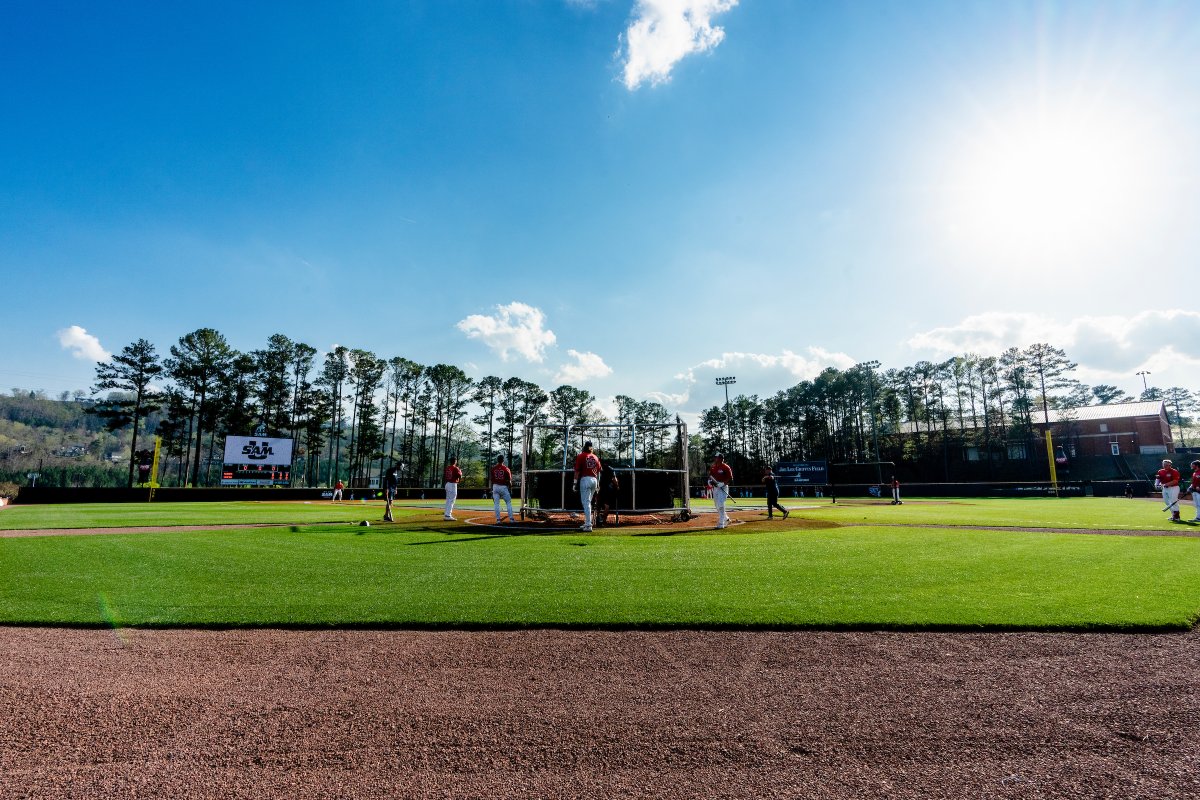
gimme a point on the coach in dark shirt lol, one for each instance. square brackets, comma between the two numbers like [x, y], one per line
[771, 486]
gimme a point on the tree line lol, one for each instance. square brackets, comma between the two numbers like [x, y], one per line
[926, 416]
[350, 416]
[355, 413]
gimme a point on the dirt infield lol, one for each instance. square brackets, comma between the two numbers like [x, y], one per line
[550, 713]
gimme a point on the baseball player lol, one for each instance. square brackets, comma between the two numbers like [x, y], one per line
[1168, 478]
[337, 492]
[1194, 488]
[896, 492]
[720, 476]
[452, 476]
[606, 500]
[501, 477]
[390, 483]
[587, 480]
[771, 487]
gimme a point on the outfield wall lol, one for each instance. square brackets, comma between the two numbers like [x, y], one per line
[30, 495]
[1015, 489]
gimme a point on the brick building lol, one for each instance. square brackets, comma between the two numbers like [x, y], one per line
[1119, 441]
[1110, 430]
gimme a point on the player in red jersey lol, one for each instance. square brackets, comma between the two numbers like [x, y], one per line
[1194, 488]
[501, 478]
[720, 477]
[452, 476]
[587, 480]
[896, 492]
[1168, 479]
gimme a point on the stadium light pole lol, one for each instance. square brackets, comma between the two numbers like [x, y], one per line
[1143, 373]
[728, 422]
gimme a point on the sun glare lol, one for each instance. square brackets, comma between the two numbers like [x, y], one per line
[1048, 187]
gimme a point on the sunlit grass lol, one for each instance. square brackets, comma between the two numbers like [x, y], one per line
[420, 572]
[1099, 513]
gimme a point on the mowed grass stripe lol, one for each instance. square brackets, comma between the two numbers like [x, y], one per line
[393, 576]
[1080, 513]
[120, 515]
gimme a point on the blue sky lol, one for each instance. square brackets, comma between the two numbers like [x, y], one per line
[629, 196]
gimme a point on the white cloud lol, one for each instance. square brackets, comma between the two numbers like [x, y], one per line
[1107, 349]
[757, 373]
[516, 327]
[988, 334]
[791, 364]
[606, 406]
[671, 400]
[82, 344]
[663, 32]
[585, 366]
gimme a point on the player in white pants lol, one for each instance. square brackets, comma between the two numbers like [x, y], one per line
[587, 481]
[452, 475]
[720, 478]
[501, 477]
[1194, 488]
[1168, 479]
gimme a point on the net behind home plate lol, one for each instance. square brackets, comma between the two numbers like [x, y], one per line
[650, 462]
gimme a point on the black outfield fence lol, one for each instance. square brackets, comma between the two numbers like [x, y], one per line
[30, 495]
[1015, 489]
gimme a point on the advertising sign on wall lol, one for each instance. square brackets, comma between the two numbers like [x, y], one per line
[802, 473]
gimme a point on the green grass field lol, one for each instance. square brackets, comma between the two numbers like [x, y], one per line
[886, 570]
[1080, 513]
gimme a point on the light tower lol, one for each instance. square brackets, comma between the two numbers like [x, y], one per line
[728, 421]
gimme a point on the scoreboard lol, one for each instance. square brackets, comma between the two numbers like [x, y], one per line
[256, 475]
[257, 461]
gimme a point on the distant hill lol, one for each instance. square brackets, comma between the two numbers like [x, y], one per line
[58, 439]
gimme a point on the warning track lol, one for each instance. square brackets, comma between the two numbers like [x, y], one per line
[597, 714]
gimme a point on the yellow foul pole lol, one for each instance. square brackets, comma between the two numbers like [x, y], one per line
[154, 463]
[1050, 458]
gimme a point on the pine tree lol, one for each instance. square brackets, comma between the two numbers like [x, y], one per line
[131, 371]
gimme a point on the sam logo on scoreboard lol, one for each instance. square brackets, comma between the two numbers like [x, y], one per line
[258, 452]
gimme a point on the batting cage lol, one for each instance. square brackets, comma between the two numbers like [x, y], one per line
[649, 461]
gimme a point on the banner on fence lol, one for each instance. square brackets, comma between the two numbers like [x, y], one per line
[802, 473]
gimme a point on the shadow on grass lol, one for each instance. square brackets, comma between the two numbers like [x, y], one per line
[461, 535]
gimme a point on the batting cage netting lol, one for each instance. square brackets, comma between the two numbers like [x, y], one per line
[649, 461]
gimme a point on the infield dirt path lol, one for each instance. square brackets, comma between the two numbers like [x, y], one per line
[551, 713]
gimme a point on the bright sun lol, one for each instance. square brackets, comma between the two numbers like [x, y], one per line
[1052, 187]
